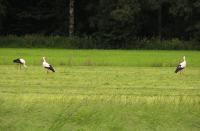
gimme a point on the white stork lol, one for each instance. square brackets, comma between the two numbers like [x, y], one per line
[47, 65]
[20, 62]
[181, 66]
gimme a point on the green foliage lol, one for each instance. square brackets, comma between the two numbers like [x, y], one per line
[174, 44]
[85, 42]
[39, 41]
[106, 24]
[186, 10]
[36, 17]
[2, 8]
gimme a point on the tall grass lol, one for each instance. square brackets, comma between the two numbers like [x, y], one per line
[88, 42]
[39, 41]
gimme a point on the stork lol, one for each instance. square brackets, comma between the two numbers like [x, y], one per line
[20, 62]
[181, 66]
[47, 65]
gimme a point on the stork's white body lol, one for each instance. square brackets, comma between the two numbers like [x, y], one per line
[47, 65]
[181, 66]
[23, 62]
[20, 61]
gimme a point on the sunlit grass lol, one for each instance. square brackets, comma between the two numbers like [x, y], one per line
[101, 57]
[99, 98]
[114, 90]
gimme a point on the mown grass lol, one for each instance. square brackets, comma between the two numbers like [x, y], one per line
[108, 98]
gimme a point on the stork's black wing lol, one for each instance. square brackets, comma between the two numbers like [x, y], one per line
[50, 68]
[178, 68]
[17, 61]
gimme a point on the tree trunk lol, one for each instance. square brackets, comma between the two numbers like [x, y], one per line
[160, 22]
[71, 17]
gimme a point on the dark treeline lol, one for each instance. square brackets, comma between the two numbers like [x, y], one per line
[111, 23]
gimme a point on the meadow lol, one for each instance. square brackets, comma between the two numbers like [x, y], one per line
[99, 90]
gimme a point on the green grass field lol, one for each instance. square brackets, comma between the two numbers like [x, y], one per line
[95, 90]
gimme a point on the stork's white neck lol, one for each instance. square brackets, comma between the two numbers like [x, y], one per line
[184, 58]
[44, 59]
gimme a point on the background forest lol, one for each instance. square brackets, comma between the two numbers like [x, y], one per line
[122, 24]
